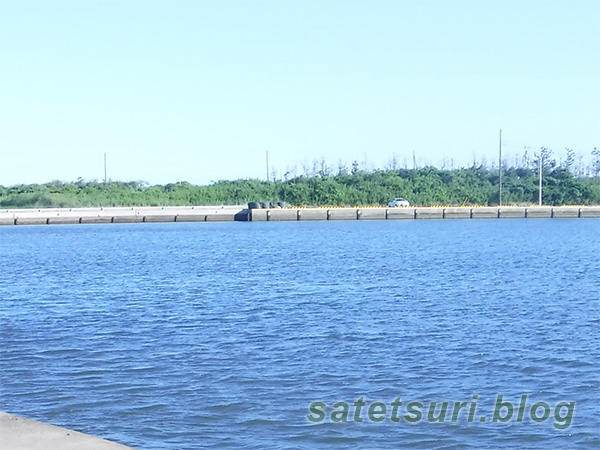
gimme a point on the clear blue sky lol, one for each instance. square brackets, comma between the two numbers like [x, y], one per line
[189, 90]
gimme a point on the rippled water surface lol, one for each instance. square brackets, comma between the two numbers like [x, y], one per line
[189, 336]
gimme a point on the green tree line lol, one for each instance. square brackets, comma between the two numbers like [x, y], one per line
[476, 185]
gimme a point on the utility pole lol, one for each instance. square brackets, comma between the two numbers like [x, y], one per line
[414, 161]
[500, 168]
[267, 165]
[540, 193]
[105, 179]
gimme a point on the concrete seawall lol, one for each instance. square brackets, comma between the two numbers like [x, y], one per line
[123, 215]
[240, 213]
[18, 433]
[416, 213]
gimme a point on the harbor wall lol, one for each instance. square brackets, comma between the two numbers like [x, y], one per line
[420, 213]
[156, 214]
[239, 213]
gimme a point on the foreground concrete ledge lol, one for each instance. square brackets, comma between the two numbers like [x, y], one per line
[18, 433]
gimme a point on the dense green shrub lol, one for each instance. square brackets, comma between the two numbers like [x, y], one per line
[425, 186]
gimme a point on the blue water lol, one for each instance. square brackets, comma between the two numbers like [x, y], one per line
[190, 336]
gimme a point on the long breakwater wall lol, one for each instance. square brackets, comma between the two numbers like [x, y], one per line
[240, 213]
[57, 216]
[368, 213]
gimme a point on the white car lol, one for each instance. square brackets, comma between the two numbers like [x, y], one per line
[399, 202]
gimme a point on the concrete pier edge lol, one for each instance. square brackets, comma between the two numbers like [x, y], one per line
[241, 214]
[423, 213]
[19, 433]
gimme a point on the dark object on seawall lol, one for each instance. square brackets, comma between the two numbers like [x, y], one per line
[266, 205]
